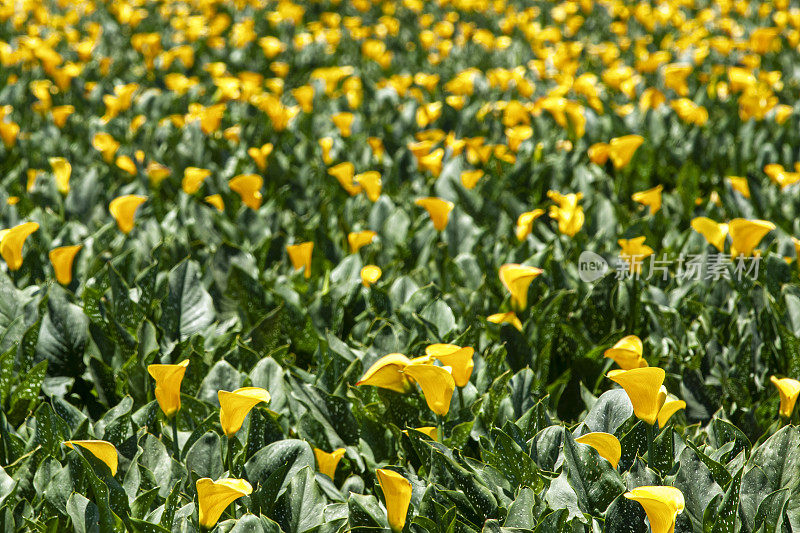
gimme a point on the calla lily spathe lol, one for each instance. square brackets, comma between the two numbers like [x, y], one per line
[213, 497]
[397, 495]
[371, 183]
[168, 385]
[746, 234]
[516, 279]
[457, 358]
[438, 209]
[740, 185]
[248, 187]
[627, 353]
[525, 223]
[387, 373]
[62, 171]
[234, 406]
[661, 504]
[669, 408]
[714, 232]
[327, 462]
[103, 450]
[650, 198]
[300, 256]
[11, 243]
[606, 444]
[437, 385]
[622, 149]
[370, 274]
[193, 179]
[644, 387]
[123, 209]
[789, 390]
[506, 318]
[358, 239]
[634, 251]
[215, 201]
[344, 174]
[470, 178]
[62, 259]
[568, 213]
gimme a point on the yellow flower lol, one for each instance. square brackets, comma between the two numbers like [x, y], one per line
[397, 494]
[123, 209]
[327, 462]
[627, 353]
[377, 147]
[516, 279]
[62, 259]
[469, 178]
[344, 172]
[438, 209]
[248, 187]
[371, 183]
[432, 162]
[525, 223]
[740, 185]
[428, 113]
[634, 251]
[457, 358]
[193, 178]
[714, 232]
[661, 504]
[669, 408]
[606, 444]
[326, 143]
[598, 153]
[358, 239]
[300, 256]
[387, 373]
[157, 173]
[62, 170]
[650, 198]
[644, 388]
[12, 241]
[305, 97]
[61, 114]
[260, 155]
[568, 213]
[105, 451]
[517, 135]
[690, 112]
[789, 389]
[106, 145]
[621, 149]
[675, 75]
[506, 318]
[168, 385]
[431, 431]
[216, 201]
[746, 234]
[234, 406]
[344, 122]
[370, 274]
[125, 163]
[213, 497]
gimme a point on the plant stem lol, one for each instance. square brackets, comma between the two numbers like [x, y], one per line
[461, 397]
[175, 449]
[651, 434]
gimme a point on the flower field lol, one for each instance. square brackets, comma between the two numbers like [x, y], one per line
[436, 267]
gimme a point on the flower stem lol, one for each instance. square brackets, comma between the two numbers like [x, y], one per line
[175, 449]
[461, 398]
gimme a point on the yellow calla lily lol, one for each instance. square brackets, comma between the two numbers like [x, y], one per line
[371, 183]
[746, 234]
[397, 495]
[661, 504]
[621, 149]
[213, 497]
[327, 462]
[517, 135]
[516, 279]
[106, 145]
[344, 174]
[669, 408]
[740, 185]
[525, 223]
[470, 178]
[248, 187]
[62, 171]
[12, 241]
[216, 201]
[431, 431]
[344, 123]
[358, 239]
[260, 155]
[650, 198]
[234, 406]
[300, 256]
[457, 358]
[123, 209]
[506, 318]
[438, 210]
[326, 144]
[606, 444]
[387, 373]
[714, 232]
[634, 251]
[644, 388]
[598, 153]
[105, 451]
[193, 178]
[789, 390]
[568, 213]
[627, 353]
[168, 385]
[62, 259]
[437, 385]
[370, 274]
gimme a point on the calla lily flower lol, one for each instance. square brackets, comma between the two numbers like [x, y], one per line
[123, 209]
[248, 187]
[714, 232]
[598, 153]
[469, 178]
[62, 171]
[371, 183]
[568, 213]
[344, 122]
[438, 209]
[62, 259]
[634, 251]
[621, 149]
[506, 318]
[437, 385]
[525, 223]
[260, 155]
[669, 408]
[327, 462]
[431, 431]
[168, 385]
[358, 239]
[740, 185]
[397, 495]
[234, 406]
[661, 504]
[606, 444]
[370, 274]
[300, 256]
[326, 143]
[12, 241]
[387, 373]
[517, 135]
[789, 389]
[644, 388]
[106, 145]
[193, 178]
[216, 201]
[344, 173]
[213, 497]
[516, 279]
[627, 353]
[105, 451]
[651, 198]
[746, 234]
[457, 358]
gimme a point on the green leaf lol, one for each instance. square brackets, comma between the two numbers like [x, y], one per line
[188, 308]
[594, 480]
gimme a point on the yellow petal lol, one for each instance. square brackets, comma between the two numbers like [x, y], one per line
[213, 497]
[438, 209]
[627, 353]
[746, 234]
[358, 239]
[714, 232]
[168, 385]
[469, 178]
[669, 408]
[650, 198]
[62, 259]
[516, 279]
[606, 444]
[661, 504]
[371, 183]
[300, 256]
[431, 431]
[621, 149]
[62, 171]
[370, 274]
[643, 386]
[789, 390]
[740, 185]
[437, 385]
[387, 373]
[234, 406]
[123, 209]
[525, 223]
[457, 358]
[248, 187]
[105, 451]
[216, 201]
[12, 241]
[327, 462]
[193, 178]
[397, 494]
